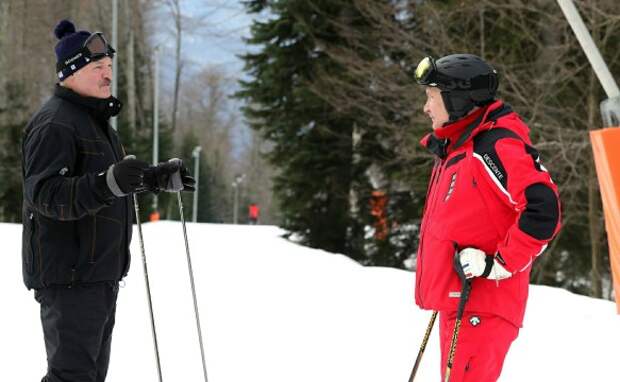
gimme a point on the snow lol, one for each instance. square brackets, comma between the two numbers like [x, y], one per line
[273, 311]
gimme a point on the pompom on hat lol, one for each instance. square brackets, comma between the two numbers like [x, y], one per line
[71, 53]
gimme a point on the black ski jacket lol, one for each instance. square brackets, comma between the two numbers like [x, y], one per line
[74, 230]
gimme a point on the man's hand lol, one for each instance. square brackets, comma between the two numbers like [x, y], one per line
[169, 176]
[126, 176]
[476, 263]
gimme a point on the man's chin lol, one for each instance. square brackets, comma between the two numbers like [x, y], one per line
[104, 93]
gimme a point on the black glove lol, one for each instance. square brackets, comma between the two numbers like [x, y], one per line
[126, 176]
[169, 176]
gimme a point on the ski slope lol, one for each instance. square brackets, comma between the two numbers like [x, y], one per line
[274, 311]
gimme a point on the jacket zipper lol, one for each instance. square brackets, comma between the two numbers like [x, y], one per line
[32, 248]
[122, 253]
[116, 153]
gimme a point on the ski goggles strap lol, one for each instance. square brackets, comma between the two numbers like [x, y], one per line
[94, 48]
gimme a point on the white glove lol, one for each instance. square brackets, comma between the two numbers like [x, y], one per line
[476, 263]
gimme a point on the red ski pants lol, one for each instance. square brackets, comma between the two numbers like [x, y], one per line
[482, 344]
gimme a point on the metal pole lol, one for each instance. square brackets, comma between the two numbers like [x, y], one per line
[427, 335]
[236, 203]
[465, 291]
[156, 118]
[236, 184]
[113, 121]
[196, 155]
[589, 48]
[148, 287]
[191, 279]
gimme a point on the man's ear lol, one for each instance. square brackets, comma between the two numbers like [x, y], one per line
[68, 82]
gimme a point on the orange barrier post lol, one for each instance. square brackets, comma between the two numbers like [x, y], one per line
[154, 216]
[606, 147]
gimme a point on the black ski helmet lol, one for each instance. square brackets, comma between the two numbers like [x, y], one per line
[465, 81]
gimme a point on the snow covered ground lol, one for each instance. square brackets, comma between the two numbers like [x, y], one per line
[274, 311]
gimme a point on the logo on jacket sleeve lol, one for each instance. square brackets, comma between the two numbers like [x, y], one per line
[491, 163]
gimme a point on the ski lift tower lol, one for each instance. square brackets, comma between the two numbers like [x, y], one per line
[605, 142]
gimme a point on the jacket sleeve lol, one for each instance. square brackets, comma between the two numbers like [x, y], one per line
[50, 156]
[513, 170]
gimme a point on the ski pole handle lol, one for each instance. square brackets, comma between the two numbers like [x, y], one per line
[465, 282]
[175, 182]
[457, 264]
[465, 289]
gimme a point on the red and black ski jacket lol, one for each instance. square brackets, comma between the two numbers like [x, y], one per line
[488, 190]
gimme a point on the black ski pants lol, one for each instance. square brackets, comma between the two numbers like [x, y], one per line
[77, 326]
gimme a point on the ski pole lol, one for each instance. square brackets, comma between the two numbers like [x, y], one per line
[466, 288]
[191, 279]
[423, 346]
[148, 287]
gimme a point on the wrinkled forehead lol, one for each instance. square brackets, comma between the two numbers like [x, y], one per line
[105, 61]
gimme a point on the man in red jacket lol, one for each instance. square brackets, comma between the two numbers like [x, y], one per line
[253, 214]
[489, 200]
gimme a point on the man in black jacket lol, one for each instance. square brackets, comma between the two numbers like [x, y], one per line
[77, 208]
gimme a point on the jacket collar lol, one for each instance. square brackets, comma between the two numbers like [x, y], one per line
[453, 135]
[101, 109]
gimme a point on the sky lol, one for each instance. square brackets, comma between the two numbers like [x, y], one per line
[274, 311]
[223, 40]
[216, 43]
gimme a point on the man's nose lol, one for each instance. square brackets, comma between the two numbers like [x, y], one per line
[107, 73]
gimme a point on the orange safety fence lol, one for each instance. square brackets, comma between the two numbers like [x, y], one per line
[606, 147]
[378, 204]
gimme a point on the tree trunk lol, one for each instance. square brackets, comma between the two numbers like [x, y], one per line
[4, 42]
[551, 40]
[482, 45]
[176, 13]
[130, 71]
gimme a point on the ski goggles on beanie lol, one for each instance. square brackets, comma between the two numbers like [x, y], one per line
[94, 48]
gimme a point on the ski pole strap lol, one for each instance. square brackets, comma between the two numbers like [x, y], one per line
[489, 261]
[465, 282]
[463, 300]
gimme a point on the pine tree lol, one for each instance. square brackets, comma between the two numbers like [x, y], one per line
[311, 142]
[334, 162]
